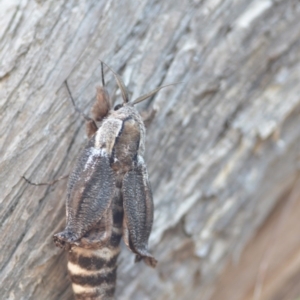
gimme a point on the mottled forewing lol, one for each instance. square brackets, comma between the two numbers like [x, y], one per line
[90, 192]
[138, 211]
[81, 162]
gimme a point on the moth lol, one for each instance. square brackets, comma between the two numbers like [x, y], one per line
[108, 196]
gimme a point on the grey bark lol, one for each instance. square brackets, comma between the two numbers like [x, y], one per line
[223, 146]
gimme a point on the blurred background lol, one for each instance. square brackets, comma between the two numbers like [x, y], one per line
[223, 151]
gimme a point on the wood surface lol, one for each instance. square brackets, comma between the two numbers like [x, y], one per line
[221, 151]
[269, 267]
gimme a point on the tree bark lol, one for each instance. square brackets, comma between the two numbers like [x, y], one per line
[223, 147]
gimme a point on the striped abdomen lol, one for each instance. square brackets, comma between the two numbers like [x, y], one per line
[93, 271]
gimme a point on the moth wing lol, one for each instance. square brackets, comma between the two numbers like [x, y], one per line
[90, 193]
[138, 212]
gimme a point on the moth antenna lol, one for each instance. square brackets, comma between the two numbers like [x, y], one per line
[120, 83]
[146, 96]
[102, 74]
[87, 118]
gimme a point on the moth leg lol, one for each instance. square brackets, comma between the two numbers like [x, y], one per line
[102, 105]
[138, 212]
[45, 183]
[100, 108]
[91, 126]
[148, 116]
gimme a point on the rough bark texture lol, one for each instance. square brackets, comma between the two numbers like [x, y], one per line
[222, 149]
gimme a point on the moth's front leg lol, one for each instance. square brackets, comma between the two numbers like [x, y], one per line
[90, 128]
[99, 111]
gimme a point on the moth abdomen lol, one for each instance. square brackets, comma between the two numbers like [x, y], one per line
[117, 219]
[93, 272]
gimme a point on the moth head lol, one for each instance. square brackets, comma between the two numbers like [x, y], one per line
[118, 106]
[124, 91]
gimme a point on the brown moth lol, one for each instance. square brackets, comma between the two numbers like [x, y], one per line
[108, 197]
